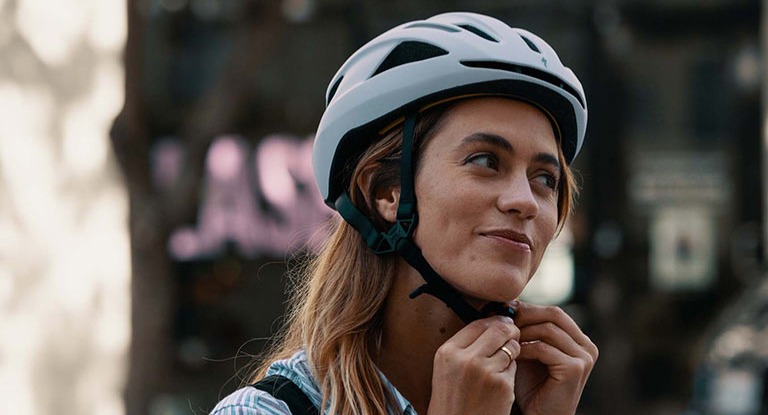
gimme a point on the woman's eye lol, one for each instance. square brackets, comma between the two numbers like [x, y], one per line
[484, 160]
[547, 180]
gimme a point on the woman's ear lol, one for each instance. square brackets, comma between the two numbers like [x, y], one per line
[386, 203]
[385, 200]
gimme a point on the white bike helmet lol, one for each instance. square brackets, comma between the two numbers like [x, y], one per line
[447, 56]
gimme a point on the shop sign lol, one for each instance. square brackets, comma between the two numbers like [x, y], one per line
[679, 177]
[683, 248]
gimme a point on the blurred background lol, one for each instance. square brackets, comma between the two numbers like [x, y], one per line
[155, 185]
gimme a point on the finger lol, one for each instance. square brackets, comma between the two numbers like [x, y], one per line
[530, 314]
[552, 334]
[560, 366]
[505, 357]
[472, 332]
[498, 334]
[510, 351]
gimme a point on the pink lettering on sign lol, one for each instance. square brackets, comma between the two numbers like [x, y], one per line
[261, 202]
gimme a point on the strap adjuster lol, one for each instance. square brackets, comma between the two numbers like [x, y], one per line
[389, 241]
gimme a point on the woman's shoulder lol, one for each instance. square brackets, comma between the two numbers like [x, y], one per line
[250, 401]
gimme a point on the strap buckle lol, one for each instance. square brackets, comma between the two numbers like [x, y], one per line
[389, 241]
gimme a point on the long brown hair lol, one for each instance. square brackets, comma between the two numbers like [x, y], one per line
[337, 302]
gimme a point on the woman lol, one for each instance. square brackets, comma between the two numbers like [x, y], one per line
[445, 146]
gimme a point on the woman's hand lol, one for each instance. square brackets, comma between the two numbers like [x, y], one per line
[555, 361]
[472, 374]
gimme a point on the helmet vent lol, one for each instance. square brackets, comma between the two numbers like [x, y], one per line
[333, 89]
[528, 71]
[478, 32]
[428, 25]
[407, 52]
[530, 44]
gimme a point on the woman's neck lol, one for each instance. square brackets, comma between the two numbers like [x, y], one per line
[413, 330]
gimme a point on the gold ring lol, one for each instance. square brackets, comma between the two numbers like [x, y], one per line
[508, 353]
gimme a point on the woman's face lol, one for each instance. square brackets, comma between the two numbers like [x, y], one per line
[487, 196]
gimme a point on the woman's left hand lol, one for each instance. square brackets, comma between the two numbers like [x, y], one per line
[555, 361]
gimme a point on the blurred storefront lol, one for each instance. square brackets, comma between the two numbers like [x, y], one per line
[225, 96]
[731, 375]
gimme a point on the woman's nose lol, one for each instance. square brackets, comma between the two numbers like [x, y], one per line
[517, 198]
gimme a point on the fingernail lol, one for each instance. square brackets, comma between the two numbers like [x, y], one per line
[514, 303]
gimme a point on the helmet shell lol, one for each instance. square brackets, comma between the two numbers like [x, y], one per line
[448, 56]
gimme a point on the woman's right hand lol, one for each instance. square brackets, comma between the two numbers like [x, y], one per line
[472, 374]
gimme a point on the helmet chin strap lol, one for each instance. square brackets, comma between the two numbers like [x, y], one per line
[399, 238]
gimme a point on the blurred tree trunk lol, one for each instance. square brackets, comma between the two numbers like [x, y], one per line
[153, 215]
[150, 354]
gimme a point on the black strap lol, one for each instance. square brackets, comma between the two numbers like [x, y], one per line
[284, 389]
[435, 285]
[406, 208]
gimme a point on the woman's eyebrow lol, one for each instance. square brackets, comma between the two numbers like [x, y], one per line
[548, 159]
[503, 144]
[488, 138]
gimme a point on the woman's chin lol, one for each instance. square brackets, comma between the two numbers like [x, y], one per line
[500, 287]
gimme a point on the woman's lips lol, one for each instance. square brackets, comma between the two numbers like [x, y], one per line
[511, 238]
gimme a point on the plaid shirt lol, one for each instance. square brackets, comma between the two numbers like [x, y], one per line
[251, 401]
